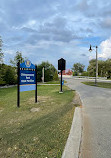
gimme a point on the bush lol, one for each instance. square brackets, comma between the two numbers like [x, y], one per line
[84, 73]
[49, 72]
[75, 73]
[55, 77]
[9, 76]
[2, 83]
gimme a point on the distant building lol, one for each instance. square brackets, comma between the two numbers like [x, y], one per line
[67, 72]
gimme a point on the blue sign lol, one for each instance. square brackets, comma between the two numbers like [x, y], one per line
[63, 82]
[27, 65]
[27, 76]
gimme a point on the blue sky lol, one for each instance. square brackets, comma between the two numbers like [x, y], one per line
[46, 30]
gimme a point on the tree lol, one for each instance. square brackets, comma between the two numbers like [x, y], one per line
[18, 58]
[92, 68]
[49, 71]
[55, 77]
[9, 76]
[1, 53]
[2, 72]
[108, 68]
[78, 68]
[103, 68]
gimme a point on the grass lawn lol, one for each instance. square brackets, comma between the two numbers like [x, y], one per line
[35, 130]
[99, 84]
[54, 82]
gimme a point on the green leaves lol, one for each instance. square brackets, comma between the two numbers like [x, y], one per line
[1, 53]
[18, 58]
[104, 68]
[78, 68]
[50, 72]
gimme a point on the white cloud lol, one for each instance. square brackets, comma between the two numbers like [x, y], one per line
[105, 47]
[9, 52]
[50, 30]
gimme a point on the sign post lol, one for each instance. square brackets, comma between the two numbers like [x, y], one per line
[18, 85]
[36, 84]
[27, 79]
[61, 66]
[61, 82]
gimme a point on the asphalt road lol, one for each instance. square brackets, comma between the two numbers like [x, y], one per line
[96, 116]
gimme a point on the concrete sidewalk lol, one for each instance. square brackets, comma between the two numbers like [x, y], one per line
[74, 140]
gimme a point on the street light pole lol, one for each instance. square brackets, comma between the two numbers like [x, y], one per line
[96, 76]
[96, 66]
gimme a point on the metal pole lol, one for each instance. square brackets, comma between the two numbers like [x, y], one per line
[18, 84]
[36, 83]
[43, 75]
[96, 66]
[61, 81]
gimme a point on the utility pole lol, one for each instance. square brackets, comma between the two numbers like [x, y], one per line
[43, 74]
[96, 65]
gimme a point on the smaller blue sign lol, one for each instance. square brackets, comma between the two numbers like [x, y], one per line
[63, 82]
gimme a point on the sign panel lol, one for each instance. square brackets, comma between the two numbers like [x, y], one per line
[27, 65]
[27, 76]
[63, 82]
[61, 64]
[27, 87]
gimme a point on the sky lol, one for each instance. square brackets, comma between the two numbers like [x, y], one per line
[47, 30]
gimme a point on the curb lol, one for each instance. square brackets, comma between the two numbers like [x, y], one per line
[72, 147]
[48, 84]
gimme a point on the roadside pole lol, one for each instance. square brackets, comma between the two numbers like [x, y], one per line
[43, 74]
[36, 84]
[18, 84]
[96, 66]
[61, 82]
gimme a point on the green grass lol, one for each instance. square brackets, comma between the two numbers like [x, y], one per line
[26, 134]
[54, 82]
[99, 84]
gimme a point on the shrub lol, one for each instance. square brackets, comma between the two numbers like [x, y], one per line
[9, 76]
[55, 77]
[84, 73]
[49, 71]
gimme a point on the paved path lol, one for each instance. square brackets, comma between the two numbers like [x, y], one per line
[96, 139]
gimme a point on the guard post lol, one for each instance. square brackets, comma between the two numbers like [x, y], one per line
[61, 67]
